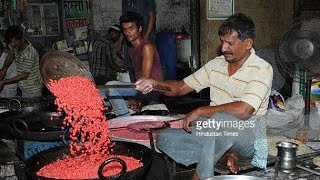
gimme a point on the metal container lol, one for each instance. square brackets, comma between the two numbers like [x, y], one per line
[287, 156]
[25, 105]
[235, 177]
[137, 151]
[36, 126]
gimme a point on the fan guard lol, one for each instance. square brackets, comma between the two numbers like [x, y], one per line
[299, 48]
[299, 51]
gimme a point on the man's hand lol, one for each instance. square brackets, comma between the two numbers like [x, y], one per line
[145, 85]
[190, 117]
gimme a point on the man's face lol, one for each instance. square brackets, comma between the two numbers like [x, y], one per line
[233, 49]
[15, 43]
[131, 31]
[115, 36]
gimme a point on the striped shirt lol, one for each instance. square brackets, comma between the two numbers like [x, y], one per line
[251, 83]
[28, 61]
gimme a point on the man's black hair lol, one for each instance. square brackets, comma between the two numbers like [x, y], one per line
[239, 23]
[14, 31]
[131, 17]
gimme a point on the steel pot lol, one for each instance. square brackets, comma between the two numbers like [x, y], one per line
[36, 126]
[144, 154]
[24, 105]
[287, 156]
[234, 177]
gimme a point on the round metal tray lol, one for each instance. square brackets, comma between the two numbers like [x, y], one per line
[124, 121]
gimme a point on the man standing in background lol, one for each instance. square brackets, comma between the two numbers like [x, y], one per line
[146, 9]
[102, 65]
[27, 61]
[146, 63]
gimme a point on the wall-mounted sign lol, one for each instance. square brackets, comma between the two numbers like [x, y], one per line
[77, 8]
[219, 9]
[76, 23]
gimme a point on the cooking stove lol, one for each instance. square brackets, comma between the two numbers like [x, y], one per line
[33, 131]
[12, 156]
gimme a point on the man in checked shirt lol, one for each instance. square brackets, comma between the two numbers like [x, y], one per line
[102, 65]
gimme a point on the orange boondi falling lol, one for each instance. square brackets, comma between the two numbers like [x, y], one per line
[80, 100]
[90, 143]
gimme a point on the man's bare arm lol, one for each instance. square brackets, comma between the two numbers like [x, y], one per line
[150, 25]
[239, 109]
[148, 53]
[15, 79]
[177, 88]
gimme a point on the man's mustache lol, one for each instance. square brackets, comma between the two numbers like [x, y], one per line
[227, 53]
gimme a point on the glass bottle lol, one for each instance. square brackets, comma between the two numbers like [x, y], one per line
[301, 136]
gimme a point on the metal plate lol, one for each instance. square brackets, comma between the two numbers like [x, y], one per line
[124, 121]
[55, 65]
[305, 162]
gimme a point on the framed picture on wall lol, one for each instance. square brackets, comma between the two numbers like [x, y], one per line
[219, 9]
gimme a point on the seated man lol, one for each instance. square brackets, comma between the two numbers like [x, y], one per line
[146, 64]
[240, 85]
